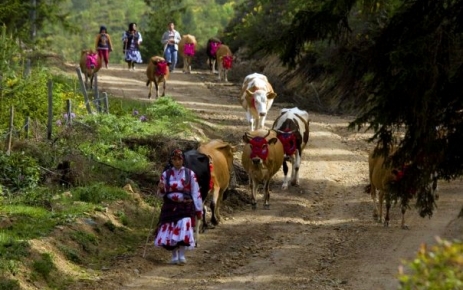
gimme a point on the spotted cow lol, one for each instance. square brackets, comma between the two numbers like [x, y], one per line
[292, 127]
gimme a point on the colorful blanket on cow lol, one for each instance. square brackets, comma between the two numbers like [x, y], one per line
[189, 49]
[161, 68]
[227, 61]
[214, 47]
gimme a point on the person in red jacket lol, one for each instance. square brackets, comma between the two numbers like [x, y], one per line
[103, 45]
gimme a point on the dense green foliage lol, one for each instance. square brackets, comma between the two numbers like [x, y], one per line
[396, 64]
[439, 268]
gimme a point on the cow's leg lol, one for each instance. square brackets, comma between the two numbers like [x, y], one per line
[376, 204]
[403, 225]
[150, 84]
[267, 194]
[156, 86]
[388, 207]
[285, 173]
[250, 119]
[261, 121]
[196, 230]
[225, 75]
[214, 206]
[163, 88]
[296, 163]
[189, 60]
[253, 193]
[204, 224]
[213, 61]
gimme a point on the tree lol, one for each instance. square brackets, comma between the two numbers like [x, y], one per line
[401, 64]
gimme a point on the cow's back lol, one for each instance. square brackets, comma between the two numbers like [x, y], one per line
[199, 163]
[187, 38]
[222, 51]
[300, 117]
[221, 154]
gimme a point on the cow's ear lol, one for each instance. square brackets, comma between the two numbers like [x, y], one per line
[271, 96]
[245, 138]
[272, 140]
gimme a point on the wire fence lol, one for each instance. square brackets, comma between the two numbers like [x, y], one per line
[93, 103]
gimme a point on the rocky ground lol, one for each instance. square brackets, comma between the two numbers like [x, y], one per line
[320, 235]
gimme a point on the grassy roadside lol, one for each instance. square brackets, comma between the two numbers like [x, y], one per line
[80, 202]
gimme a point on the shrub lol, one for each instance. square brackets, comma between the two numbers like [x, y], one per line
[440, 268]
[18, 171]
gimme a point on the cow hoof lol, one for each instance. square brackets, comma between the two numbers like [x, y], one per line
[254, 206]
[267, 206]
[386, 224]
[405, 227]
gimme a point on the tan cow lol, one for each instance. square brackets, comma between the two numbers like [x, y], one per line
[262, 157]
[220, 154]
[224, 59]
[157, 72]
[257, 97]
[90, 63]
[384, 178]
[187, 48]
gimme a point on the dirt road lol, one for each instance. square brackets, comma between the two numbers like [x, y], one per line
[320, 235]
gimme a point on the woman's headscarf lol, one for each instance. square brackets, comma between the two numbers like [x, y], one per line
[102, 27]
[176, 153]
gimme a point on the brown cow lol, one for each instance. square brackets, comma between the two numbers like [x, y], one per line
[224, 59]
[383, 176]
[157, 72]
[187, 49]
[220, 154]
[90, 64]
[262, 157]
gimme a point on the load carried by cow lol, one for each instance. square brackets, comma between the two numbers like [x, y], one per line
[292, 127]
[262, 157]
[90, 63]
[212, 46]
[257, 97]
[187, 49]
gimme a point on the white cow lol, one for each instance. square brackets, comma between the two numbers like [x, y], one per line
[292, 128]
[257, 97]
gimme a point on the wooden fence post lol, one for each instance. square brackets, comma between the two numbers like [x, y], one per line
[50, 109]
[84, 90]
[106, 102]
[26, 127]
[96, 94]
[10, 132]
[69, 112]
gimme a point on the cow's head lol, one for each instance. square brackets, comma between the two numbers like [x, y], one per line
[257, 100]
[289, 140]
[91, 60]
[259, 147]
